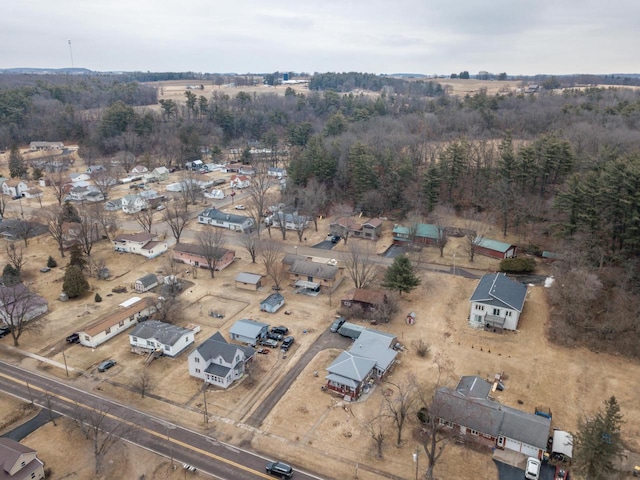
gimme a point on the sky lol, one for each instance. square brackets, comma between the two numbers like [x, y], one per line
[375, 36]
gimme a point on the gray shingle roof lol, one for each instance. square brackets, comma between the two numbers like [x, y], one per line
[273, 299]
[498, 290]
[313, 269]
[216, 214]
[247, 328]
[251, 278]
[351, 366]
[217, 345]
[148, 280]
[473, 386]
[165, 333]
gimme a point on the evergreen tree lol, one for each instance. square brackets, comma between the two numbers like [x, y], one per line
[400, 276]
[17, 167]
[97, 298]
[51, 262]
[74, 284]
[77, 257]
[431, 188]
[10, 275]
[597, 442]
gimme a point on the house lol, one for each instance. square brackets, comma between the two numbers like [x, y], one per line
[146, 283]
[232, 167]
[469, 411]
[161, 173]
[19, 461]
[248, 331]
[497, 302]
[111, 324]
[419, 233]
[139, 243]
[32, 192]
[14, 187]
[494, 248]
[218, 218]
[214, 194]
[19, 304]
[72, 232]
[368, 300]
[38, 146]
[314, 276]
[155, 336]
[368, 360]
[79, 177]
[277, 172]
[91, 169]
[272, 303]
[238, 182]
[247, 170]
[134, 203]
[94, 196]
[347, 227]
[193, 165]
[138, 170]
[292, 221]
[193, 254]
[218, 362]
[113, 205]
[351, 330]
[248, 281]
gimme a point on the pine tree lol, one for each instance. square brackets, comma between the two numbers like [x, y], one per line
[10, 275]
[51, 262]
[74, 284]
[17, 167]
[77, 257]
[597, 442]
[400, 276]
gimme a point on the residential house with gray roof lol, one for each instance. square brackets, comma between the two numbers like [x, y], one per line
[315, 276]
[218, 362]
[497, 302]
[19, 461]
[156, 336]
[248, 331]
[231, 221]
[469, 411]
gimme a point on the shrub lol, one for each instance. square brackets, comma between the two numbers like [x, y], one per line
[97, 298]
[518, 265]
[51, 262]
[10, 275]
[421, 347]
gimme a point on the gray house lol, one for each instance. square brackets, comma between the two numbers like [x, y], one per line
[248, 331]
[272, 303]
[156, 336]
[497, 302]
[231, 221]
[218, 362]
[469, 410]
[146, 283]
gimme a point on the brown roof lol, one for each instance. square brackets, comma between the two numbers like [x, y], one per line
[372, 297]
[195, 249]
[141, 237]
[149, 245]
[374, 222]
[10, 453]
[116, 317]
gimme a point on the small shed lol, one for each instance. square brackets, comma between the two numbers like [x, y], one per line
[272, 303]
[248, 331]
[249, 281]
[146, 283]
[562, 446]
[351, 330]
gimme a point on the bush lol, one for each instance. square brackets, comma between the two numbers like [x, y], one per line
[422, 348]
[518, 265]
[51, 262]
[10, 276]
[97, 298]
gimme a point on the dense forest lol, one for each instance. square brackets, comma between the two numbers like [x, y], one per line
[560, 170]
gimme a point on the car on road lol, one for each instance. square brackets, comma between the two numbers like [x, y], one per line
[240, 207]
[337, 323]
[73, 338]
[106, 365]
[4, 331]
[286, 343]
[280, 469]
[532, 471]
[268, 342]
[282, 330]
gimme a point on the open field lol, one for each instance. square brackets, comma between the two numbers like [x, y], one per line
[317, 431]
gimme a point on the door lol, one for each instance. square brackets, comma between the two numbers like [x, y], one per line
[500, 442]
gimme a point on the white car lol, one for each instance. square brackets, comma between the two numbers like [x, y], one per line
[532, 471]
[240, 207]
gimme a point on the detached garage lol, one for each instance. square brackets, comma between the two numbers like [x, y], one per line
[249, 281]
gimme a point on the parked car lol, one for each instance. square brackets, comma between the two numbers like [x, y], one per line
[240, 207]
[337, 323]
[275, 336]
[280, 469]
[73, 338]
[268, 342]
[106, 365]
[286, 343]
[263, 351]
[282, 330]
[4, 331]
[335, 239]
[532, 471]
[45, 269]
[160, 207]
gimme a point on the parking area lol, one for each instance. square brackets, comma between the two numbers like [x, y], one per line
[509, 472]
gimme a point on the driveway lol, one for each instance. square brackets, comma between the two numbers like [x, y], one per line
[508, 472]
[325, 245]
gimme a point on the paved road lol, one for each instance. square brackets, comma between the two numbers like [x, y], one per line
[207, 454]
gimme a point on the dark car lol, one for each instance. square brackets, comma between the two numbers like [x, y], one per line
[269, 342]
[335, 239]
[106, 365]
[73, 338]
[280, 469]
[286, 343]
[4, 331]
[337, 323]
[280, 329]
[275, 336]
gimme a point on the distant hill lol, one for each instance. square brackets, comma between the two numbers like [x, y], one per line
[407, 75]
[47, 71]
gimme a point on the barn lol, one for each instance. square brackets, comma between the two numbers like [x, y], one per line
[494, 248]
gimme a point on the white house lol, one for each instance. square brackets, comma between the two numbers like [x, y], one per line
[14, 187]
[239, 182]
[95, 169]
[161, 173]
[32, 192]
[292, 221]
[156, 336]
[497, 302]
[248, 331]
[19, 461]
[111, 324]
[19, 304]
[277, 172]
[113, 205]
[139, 243]
[218, 218]
[146, 283]
[218, 362]
[79, 177]
[134, 203]
[36, 146]
[139, 170]
[214, 194]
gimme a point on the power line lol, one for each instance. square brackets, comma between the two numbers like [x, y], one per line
[71, 54]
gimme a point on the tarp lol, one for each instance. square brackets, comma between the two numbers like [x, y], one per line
[562, 443]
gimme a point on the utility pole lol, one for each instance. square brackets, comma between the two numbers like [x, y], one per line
[204, 393]
[415, 459]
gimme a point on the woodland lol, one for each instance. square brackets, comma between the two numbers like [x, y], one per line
[559, 169]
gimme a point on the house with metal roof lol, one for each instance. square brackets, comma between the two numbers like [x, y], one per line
[231, 221]
[157, 336]
[420, 233]
[249, 281]
[494, 248]
[146, 283]
[248, 331]
[19, 461]
[272, 303]
[218, 362]
[469, 411]
[497, 302]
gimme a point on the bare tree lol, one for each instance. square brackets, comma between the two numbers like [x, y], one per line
[250, 242]
[144, 218]
[359, 262]
[401, 403]
[211, 241]
[16, 256]
[25, 229]
[190, 190]
[342, 210]
[300, 223]
[57, 181]
[107, 221]
[260, 184]
[104, 181]
[314, 199]
[281, 220]
[474, 234]
[18, 307]
[177, 217]
[376, 426]
[271, 258]
[54, 219]
[88, 230]
[143, 382]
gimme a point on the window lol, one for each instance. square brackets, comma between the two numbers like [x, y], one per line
[150, 343]
[108, 331]
[508, 313]
[496, 312]
[196, 359]
[167, 348]
[473, 432]
[121, 323]
[135, 339]
[22, 464]
[197, 370]
[480, 307]
[33, 474]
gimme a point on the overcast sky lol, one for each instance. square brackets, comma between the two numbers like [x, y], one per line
[377, 36]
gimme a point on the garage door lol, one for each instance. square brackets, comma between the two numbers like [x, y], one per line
[512, 445]
[529, 451]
